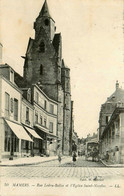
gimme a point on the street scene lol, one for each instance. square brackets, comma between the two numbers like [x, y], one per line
[82, 169]
[61, 106]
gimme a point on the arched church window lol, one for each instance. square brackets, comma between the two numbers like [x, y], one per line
[46, 22]
[41, 69]
[42, 47]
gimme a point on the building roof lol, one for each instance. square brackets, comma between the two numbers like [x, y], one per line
[117, 96]
[45, 10]
[63, 65]
[118, 109]
[19, 80]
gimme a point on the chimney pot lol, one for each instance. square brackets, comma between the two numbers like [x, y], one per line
[117, 85]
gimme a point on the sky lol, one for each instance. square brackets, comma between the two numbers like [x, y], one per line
[93, 48]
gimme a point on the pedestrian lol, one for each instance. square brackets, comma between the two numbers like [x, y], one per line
[59, 158]
[107, 156]
[74, 157]
[74, 147]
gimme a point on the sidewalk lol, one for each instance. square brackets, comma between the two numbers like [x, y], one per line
[108, 164]
[28, 161]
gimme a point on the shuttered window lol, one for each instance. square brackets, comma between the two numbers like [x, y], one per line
[15, 109]
[7, 104]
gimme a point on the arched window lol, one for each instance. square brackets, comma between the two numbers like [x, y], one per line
[42, 47]
[41, 69]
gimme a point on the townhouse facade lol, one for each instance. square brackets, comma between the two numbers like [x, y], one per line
[45, 120]
[28, 119]
[12, 133]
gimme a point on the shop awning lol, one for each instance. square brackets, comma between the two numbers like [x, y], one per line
[45, 131]
[33, 132]
[19, 131]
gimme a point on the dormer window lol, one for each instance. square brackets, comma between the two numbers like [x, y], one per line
[42, 47]
[46, 22]
[29, 95]
[12, 76]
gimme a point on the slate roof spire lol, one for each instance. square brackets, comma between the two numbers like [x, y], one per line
[45, 10]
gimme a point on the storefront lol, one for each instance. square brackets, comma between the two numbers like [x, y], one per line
[16, 140]
[36, 148]
[50, 142]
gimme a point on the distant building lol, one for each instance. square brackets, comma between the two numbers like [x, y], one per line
[111, 122]
[89, 138]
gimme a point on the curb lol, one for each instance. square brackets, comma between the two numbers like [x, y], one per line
[111, 166]
[26, 164]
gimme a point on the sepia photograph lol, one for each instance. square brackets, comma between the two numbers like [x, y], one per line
[61, 97]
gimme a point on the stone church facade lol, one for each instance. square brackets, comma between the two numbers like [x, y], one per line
[44, 65]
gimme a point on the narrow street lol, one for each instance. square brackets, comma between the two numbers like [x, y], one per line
[67, 162]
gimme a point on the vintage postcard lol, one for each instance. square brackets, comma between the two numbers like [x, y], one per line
[61, 97]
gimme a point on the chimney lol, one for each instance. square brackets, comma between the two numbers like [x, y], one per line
[1, 53]
[117, 85]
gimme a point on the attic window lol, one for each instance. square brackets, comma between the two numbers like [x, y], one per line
[42, 47]
[46, 22]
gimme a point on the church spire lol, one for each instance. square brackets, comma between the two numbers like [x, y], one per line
[45, 21]
[45, 10]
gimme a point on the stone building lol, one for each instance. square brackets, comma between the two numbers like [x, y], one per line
[111, 126]
[112, 138]
[44, 64]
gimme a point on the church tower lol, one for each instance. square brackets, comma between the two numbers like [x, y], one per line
[44, 65]
[66, 108]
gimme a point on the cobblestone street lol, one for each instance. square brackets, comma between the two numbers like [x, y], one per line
[52, 169]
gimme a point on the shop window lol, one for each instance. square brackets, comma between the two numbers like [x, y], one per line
[11, 142]
[15, 109]
[36, 144]
[7, 104]
[16, 144]
[7, 144]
